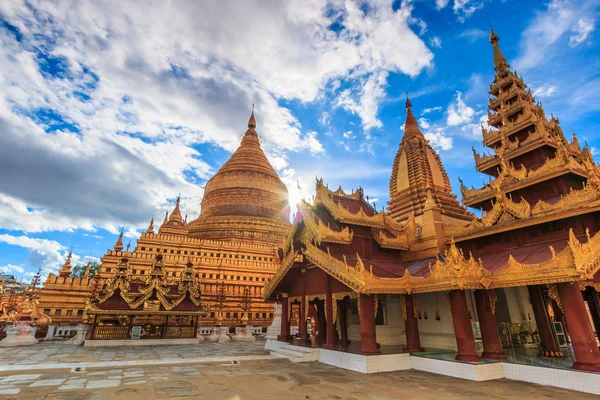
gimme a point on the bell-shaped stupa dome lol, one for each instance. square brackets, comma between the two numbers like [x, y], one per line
[245, 199]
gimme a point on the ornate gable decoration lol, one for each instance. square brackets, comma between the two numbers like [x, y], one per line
[586, 255]
[459, 271]
[155, 286]
[321, 233]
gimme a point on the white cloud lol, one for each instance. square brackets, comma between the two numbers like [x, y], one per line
[424, 123]
[313, 144]
[582, 30]
[549, 26]
[143, 95]
[472, 35]
[12, 268]
[431, 109]
[465, 8]
[46, 254]
[348, 135]
[438, 140]
[543, 91]
[436, 42]
[439, 4]
[458, 112]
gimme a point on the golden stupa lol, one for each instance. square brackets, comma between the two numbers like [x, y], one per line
[245, 200]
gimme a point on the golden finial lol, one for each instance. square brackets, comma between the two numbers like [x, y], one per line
[252, 121]
[408, 103]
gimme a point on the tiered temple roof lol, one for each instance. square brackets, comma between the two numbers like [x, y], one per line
[536, 175]
[155, 295]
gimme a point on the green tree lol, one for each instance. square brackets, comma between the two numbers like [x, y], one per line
[78, 270]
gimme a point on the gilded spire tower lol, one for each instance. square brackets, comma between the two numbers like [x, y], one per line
[417, 166]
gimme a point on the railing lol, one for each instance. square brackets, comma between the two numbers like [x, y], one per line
[184, 332]
[111, 332]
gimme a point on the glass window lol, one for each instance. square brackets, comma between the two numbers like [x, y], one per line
[69, 313]
[235, 315]
[270, 315]
[264, 315]
[79, 313]
[212, 314]
[47, 311]
[58, 311]
[227, 315]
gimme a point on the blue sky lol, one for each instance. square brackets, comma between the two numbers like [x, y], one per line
[109, 110]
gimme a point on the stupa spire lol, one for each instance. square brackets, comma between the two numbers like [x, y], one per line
[119, 243]
[151, 226]
[65, 270]
[86, 274]
[176, 214]
[252, 120]
[499, 59]
[411, 127]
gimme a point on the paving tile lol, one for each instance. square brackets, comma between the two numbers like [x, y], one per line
[103, 384]
[47, 382]
[24, 377]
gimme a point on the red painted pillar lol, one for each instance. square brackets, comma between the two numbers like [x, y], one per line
[330, 332]
[320, 321]
[587, 354]
[368, 339]
[548, 342]
[284, 334]
[413, 341]
[302, 328]
[492, 348]
[343, 323]
[465, 340]
[591, 296]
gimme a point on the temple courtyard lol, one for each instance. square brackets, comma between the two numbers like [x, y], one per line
[225, 371]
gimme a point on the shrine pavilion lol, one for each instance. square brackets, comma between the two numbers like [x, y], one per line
[153, 308]
[430, 274]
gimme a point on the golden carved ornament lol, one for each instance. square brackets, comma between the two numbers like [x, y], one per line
[285, 266]
[320, 186]
[289, 240]
[553, 294]
[403, 305]
[586, 255]
[399, 243]
[560, 268]
[321, 233]
[576, 199]
[342, 214]
[493, 298]
[458, 270]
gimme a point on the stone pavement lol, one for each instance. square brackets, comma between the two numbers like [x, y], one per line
[56, 352]
[255, 380]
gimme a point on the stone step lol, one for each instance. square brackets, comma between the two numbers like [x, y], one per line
[299, 349]
[290, 353]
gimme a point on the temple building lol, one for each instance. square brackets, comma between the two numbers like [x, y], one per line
[233, 245]
[520, 271]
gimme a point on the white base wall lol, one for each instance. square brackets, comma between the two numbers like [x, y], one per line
[365, 364]
[140, 342]
[473, 372]
[561, 378]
